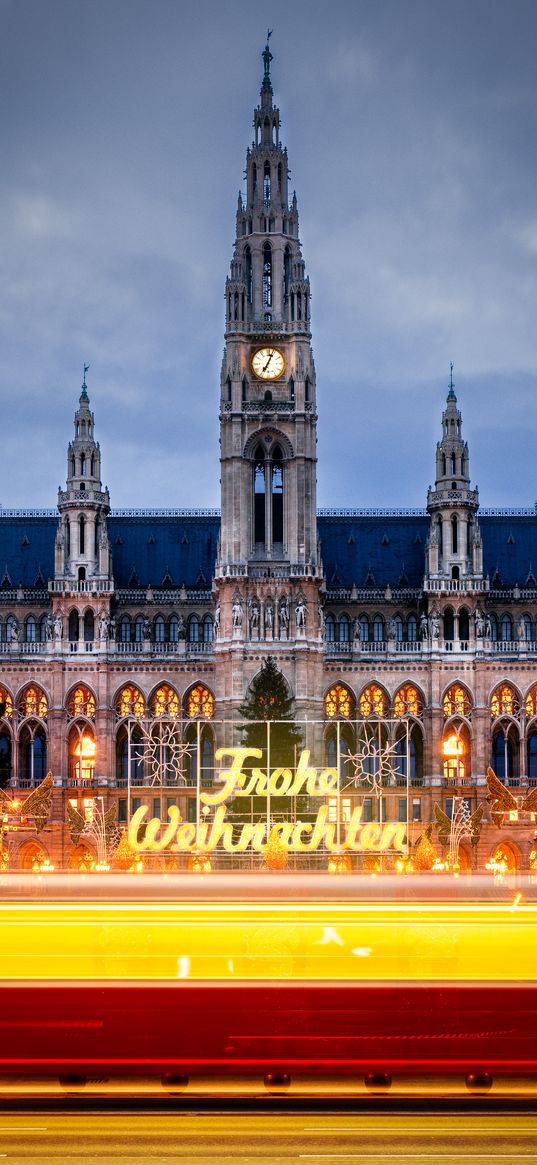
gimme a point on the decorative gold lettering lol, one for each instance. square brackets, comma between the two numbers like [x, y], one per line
[233, 778]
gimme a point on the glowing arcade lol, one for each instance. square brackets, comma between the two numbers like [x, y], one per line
[177, 835]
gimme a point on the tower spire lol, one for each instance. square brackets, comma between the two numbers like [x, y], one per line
[267, 58]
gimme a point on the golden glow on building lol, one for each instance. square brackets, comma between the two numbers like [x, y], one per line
[199, 702]
[373, 701]
[338, 701]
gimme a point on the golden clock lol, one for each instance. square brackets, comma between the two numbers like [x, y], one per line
[268, 363]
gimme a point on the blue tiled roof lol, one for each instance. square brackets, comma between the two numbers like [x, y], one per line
[175, 550]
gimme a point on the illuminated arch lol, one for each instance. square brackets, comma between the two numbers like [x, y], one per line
[31, 855]
[82, 858]
[457, 701]
[32, 701]
[6, 699]
[81, 702]
[507, 853]
[373, 701]
[456, 752]
[81, 750]
[165, 702]
[504, 701]
[199, 701]
[530, 702]
[408, 701]
[339, 701]
[130, 702]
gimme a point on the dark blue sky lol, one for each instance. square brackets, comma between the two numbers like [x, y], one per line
[411, 129]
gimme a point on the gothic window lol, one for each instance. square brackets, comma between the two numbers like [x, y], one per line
[236, 306]
[33, 702]
[291, 388]
[455, 534]
[277, 495]
[228, 389]
[505, 748]
[526, 627]
[493, 628]
[409, 760]
[89, 626]
[330, 629]
[206, 757]
[307, 394]
[286, 273]
[208, 629]
[407, 701]
[139, 629]
[453, 464]
[81, 534]
[267, 276]
[504, 702]
[346, 769]
[338, 702]
[412, 629]
[81, 752]
[398, 628]
[531, 702]
[174, 629]
[363, 624]
[31, 629]
[449, 625]
[373, 701]
[199, 701]
[378, 629]
[82, 464]
[73, 626]
[193, 629]
[125, 629]
[130, 702]
[129, 756]
[457, 701]
[279, 177]
[67, 528]
[254, 176]
[73, 468]
[444, 467]
[259, 495]
[266, 182]
[507, 628]
[33, 754]
[456, 752]
[244, 390]
[6, 704]
[165, 702]
[11, 624]
[532, 757]
[92, 465]
[81, 702]
[159, 629]
[299, 305]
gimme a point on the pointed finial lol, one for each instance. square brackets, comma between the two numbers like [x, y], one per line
[267, 58]
[451, 393]
[84, 393]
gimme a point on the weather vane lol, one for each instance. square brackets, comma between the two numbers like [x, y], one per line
[86, 367]
[267, 57]
[451, 374]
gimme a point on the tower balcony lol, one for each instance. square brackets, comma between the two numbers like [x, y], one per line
[88, 586]
[460, 496]
[78, 497]
[269, 328]
[476, 585]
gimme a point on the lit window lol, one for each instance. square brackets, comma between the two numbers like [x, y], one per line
[346, 809]
[453, 751]
[407, 702]
[81, 703]
[456, 701]
[83, 757]
[338, 701]
[166, 702]
[34, 702]
[504, 701]
[130, 702]
[373, 701]
[531, 702]
[200, 702]
[6, 704]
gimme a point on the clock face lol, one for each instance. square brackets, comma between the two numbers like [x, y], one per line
[268, 363]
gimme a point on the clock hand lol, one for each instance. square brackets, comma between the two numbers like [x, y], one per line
[268, 361]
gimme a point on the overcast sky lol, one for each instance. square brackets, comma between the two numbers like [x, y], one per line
[411, 130]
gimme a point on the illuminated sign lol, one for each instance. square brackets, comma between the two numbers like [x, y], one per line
[176, 835]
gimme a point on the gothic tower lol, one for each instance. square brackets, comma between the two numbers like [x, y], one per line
[268, 568]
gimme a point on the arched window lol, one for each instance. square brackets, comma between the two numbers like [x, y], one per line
[344, 629]
[33, 702]
[193, 629]
[139, 629]
[398, 628]
[259, 495]
[125, 629]
[464, 624]
[531, 702]
[286, 273]
[493, 627]
[409, 757]
[174, 629]
[33, 753]
[129, 756]
[159, 629]
[407, 701]
[449, 625]
[505, 748]
[378, 629]
[81, 751]
[526, 628]
[267, 276]
[43, 628]
[412, 629]
[338, 702]
[31, 629]
[81, 702]
[506, 628]
[330, 628]
[456, 753]
[266, 182]
[89, 626]
[363, 624]
[206, 757]
[457, 702]
[248, 272]
[165, 702]
[6, 704]
[277, 495]
[346, 752]
[373, 701]
[199, 701]
[81, 534]
[208, 629]
[130, 702]
[504, 701]
[5, 757]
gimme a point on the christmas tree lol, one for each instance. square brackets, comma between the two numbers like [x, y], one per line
[268, 700]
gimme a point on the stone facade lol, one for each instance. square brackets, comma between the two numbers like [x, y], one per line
[113, 622]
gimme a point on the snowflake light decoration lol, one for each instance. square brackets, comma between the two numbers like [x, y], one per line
[164, 752]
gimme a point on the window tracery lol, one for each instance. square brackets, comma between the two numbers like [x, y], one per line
[407, 701]
[504, 701]
[531, 701]
[199, 701]
[33, 702]
[130, 702]
[457, 701]
[81, 703]
[165, 702]
[6, 703]
[338, 702]
[373, 701]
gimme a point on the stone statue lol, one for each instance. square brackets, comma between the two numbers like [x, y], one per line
[236, 612]
[49, 624]
[392, 629]
[424, 626]
[300, 614]
[103, 626]
[58, 628]
[356, 629]
[480, 625]
[321, 620]
[253, 611]
[488, 627]
[217, 621]
[283, 614]
[269, 616]
[434, 625]
[521, 628]
[146, 628]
